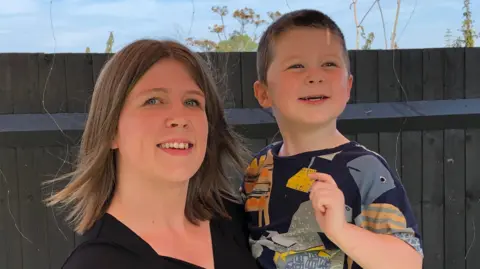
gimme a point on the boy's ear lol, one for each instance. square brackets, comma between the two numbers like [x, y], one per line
[349, 85]
[261, 93]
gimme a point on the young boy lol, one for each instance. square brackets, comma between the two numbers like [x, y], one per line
[317, 200]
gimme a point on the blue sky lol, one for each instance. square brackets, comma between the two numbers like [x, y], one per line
[26, 25]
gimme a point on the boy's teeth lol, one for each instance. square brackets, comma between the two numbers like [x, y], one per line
[175, 145]
[313, 98]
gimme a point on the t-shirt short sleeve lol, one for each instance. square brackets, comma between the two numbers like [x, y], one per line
[100, 256]
[385, 207]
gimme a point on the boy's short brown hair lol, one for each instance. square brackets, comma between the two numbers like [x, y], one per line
[294, 19]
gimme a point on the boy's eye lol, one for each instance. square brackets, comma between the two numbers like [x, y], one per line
[192, 102]
[296, 66]
[330, 64]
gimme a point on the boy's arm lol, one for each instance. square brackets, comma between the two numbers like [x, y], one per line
[372, 250]
[386, 233]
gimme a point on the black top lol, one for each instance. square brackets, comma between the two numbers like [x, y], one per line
[111, 244]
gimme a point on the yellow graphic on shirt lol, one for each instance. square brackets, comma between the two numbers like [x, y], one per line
[316, 257]
[300, 181]
[320, 251]
[258, 185]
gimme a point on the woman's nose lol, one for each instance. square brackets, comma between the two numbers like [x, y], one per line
[173, 122]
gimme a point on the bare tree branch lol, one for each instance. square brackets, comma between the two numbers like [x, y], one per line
[383, 24]
[370, 9]
[357, 26]
[393, 44]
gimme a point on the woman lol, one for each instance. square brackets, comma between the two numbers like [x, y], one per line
[150, 189]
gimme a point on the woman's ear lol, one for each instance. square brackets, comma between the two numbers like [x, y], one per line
[261, 94]
[114, 143]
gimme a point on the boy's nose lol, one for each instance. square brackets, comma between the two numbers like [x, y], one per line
[315, 76]
[311, 81]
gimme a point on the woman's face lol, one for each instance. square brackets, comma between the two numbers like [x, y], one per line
[163, 127]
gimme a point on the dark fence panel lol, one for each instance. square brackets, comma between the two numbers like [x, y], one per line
[420, 109]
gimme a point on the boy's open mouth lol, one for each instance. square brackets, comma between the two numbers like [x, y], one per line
[313, 98]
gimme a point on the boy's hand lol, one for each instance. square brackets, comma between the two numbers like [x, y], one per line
[329, 204]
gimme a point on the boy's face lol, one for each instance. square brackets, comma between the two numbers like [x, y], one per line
[308, 82]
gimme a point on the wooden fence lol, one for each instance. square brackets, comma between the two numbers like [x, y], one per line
[431, 95]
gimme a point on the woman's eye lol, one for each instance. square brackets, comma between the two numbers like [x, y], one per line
[152, 101]
[192, 102]
[296, 66]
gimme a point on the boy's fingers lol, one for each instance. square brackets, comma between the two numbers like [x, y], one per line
[318, 205]
[322, 178]
[318, 185]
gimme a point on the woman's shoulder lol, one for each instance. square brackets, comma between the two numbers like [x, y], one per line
[235, 209]
[100, 253]
[236, 223]
[107, 244]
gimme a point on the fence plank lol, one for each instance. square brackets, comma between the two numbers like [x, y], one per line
[454, 73]
[226, 70]
[54, 93]
[472, 73]
[454, 199]
[412, 171]
[412, 86]
[454, 166]
[79, 73]
[367, 76]
[20, 83]
[249, 76]
[433, 71]
[433, 171]
[433, 199]
[6, 91]
[229, 73]
[472, 195]
[32, 212]
[412, 74]
[389, 64]
[60, 237]
[367, 90]
[24, 83]
[389, 75]
[98, 62]
[472, 173]
[10, 237]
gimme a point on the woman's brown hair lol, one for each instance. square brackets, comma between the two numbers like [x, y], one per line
[92, 182]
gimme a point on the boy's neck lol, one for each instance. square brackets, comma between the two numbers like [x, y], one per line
[296, 141]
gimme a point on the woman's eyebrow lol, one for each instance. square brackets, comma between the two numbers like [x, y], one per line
[166, 90]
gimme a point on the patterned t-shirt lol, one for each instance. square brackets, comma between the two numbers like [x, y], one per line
[283, 229]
